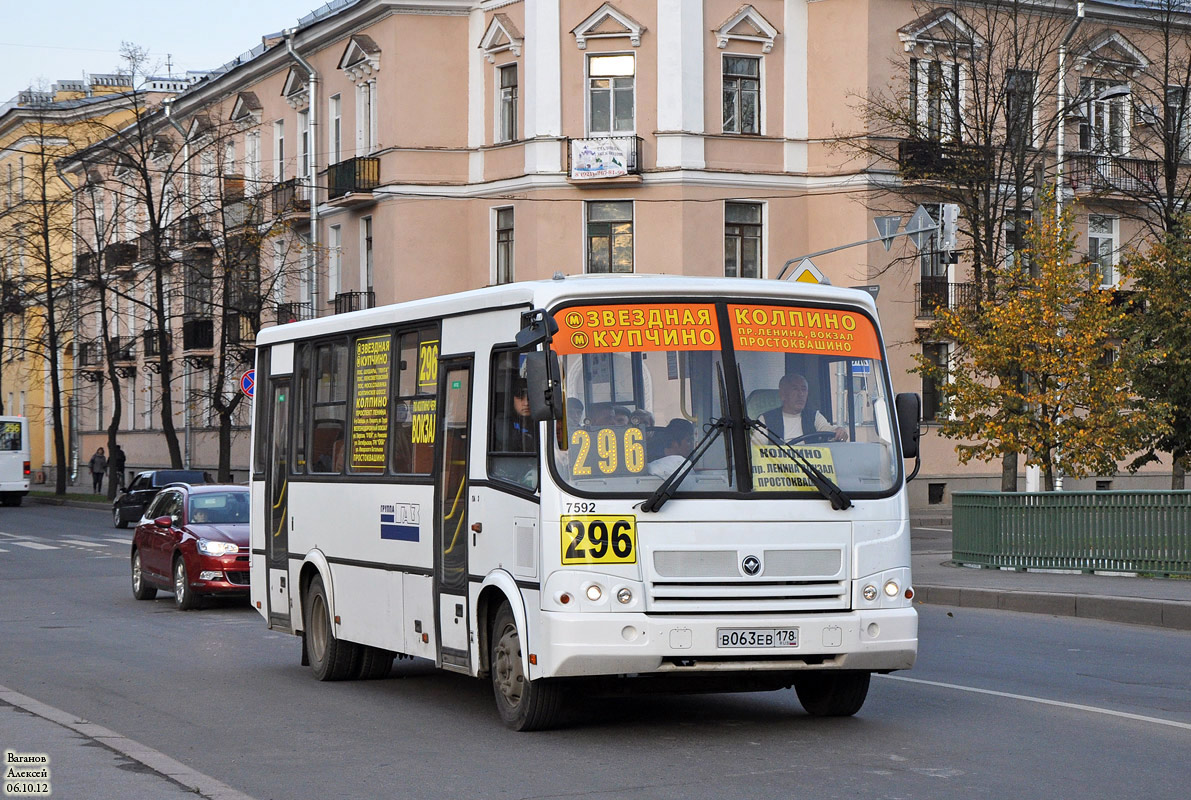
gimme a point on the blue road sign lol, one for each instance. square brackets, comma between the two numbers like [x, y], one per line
[248, 382]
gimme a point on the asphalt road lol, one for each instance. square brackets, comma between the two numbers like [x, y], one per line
[1000, 705]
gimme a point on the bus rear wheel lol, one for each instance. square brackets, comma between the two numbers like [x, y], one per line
[832, 694]
[524, 705]
[375, 663]
[331, 659]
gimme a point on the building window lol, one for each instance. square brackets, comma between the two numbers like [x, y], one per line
[742, 240]
[742, 94]
[1104, 127]
[1102, 249]
[507, 118]
[279, 150]
[1019, 108]
[336, 129]
[610, 94]
[334, 261]
[504, 245]
[366, 117]
[935, 98]
[366, 253]
[932, 394]
[609, 237]
[303, 143]
[252, 161]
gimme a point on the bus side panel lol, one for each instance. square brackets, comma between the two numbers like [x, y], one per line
[256, 544]
[370, 605]
[419, 611]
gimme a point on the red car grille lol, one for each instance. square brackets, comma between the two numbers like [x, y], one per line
[238, 577]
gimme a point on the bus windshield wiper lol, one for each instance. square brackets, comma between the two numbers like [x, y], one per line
[669, 486]
[827, 487]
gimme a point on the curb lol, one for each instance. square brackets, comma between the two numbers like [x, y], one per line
[54, 501]
[1169, 614]
[202, 785]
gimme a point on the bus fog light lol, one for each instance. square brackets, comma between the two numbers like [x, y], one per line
[874, 630]
[594, 592]
[624, 596]
[892, 589]
[870, 592]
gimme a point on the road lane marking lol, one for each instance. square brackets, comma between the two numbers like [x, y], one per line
[35, 545]
[83, 542]
[119, 541]
[1043, 701]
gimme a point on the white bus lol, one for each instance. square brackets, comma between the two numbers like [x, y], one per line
[14, 460]
[658, 515]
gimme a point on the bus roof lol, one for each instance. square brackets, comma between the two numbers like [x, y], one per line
[546, 293]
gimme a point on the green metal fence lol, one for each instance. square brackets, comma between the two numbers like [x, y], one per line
[1106, 531]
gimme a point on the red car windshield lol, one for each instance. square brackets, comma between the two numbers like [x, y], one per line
[219, 508]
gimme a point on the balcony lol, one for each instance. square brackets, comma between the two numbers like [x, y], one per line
[120, 256]
[122, 349]
[241, 213]
[155, 343]
[294, 312]
[1106, 174]
[90, 355]
[354, 176]
[930, 160]
[86, 265]
[238, 329]
[933, 294]
[603, 158]
[145, 251]
[198, 333]
[290, 200]
[192, 231]
[354, 301]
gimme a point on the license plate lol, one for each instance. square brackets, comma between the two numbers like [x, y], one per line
[756, 637]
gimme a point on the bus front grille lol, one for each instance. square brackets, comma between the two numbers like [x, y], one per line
[746, 596]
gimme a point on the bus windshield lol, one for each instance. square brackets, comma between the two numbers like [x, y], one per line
[647, 383]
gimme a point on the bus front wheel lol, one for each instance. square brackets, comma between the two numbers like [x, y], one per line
[524, 705]
[832, 694]
[331, 659]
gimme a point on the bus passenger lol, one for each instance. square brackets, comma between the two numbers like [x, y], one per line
[796, 417]
[675, 441]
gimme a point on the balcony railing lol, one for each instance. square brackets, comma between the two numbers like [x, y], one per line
[290, 197]
[191, 229]
[122, 349]
[933, 294]
[86, 265]
[603, 157]
[198, 333]
[1100, 172]
[90, 354]
[144, 247]
[155, 342]
[354, 175]
[927, 159]
[294, 312]
[241, 213]
[238, 329]
[121, 255]
[354, 301]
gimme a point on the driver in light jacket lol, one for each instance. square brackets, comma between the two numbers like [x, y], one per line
[795, 418]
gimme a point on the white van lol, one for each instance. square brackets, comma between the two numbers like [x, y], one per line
[14, 459]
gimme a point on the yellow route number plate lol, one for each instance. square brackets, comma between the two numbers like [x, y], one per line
[593, 539]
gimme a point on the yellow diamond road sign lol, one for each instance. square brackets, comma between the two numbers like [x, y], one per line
[807, 272]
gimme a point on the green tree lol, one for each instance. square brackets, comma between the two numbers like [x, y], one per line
[1074, 408]
[1161, 370]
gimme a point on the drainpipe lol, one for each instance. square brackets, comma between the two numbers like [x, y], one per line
[168, 106]
[1062, 107]
[312, 176]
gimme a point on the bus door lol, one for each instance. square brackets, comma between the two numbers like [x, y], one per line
[450, 515]
[277, 506]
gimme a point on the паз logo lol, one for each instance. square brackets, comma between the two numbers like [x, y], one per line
[751, 565]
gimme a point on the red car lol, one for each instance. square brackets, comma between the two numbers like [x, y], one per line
[193, 541]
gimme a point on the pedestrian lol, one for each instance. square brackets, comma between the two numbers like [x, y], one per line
[118, 459]
[98, 465]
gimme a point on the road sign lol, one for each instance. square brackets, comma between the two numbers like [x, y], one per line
[248, 382]
[872, 289]
[887, 229]
[807, 272]
[924, 226]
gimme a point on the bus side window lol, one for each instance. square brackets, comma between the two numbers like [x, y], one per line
[512, 433]
[326, 450]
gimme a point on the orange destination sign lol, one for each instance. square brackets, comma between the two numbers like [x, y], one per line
[792, 329]
[637, 327]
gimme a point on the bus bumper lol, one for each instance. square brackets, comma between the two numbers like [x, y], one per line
[586, 644]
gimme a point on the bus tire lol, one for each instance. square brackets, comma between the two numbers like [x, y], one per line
[141, 589]
[331, 659]
[375, 663]
[12, 499]
[524, 705]
[832, 694]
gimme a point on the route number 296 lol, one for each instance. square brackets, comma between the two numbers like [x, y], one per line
[597, 539]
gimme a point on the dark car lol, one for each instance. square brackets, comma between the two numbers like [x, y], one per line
[130, 506]
[193, 542]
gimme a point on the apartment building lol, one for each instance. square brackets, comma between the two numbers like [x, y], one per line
[385, 150]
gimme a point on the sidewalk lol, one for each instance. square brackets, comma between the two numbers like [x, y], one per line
[1160, 602]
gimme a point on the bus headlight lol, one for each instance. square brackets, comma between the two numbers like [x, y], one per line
[870, 593]
[624, 596]
[210, 548]
[892, 589]
[594, 592]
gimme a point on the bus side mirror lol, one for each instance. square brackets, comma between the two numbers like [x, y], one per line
[543, 380]
[909, 413]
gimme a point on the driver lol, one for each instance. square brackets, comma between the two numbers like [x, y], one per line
[795, 418]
